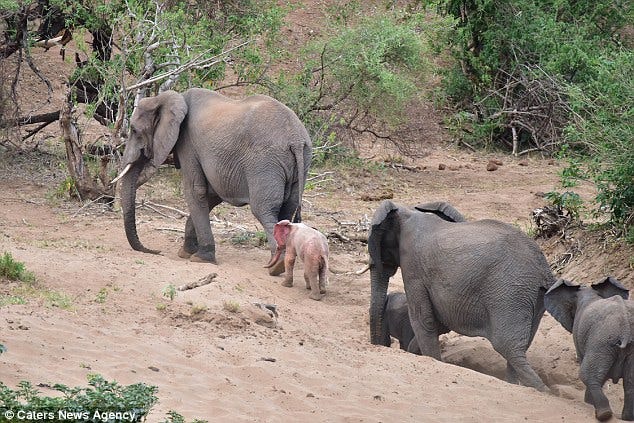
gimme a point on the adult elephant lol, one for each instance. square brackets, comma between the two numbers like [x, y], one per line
[253, 151]
[482, 278]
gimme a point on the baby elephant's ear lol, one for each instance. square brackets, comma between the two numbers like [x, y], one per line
[610, 287]
[561, 302]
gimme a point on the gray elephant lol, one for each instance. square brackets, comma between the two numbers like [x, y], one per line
[601, 321]
[397, 322]
[482, 278]
[253, 151]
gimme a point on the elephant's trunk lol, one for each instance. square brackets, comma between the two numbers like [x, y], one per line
[128, 204]
[275, 258]
[378, 325]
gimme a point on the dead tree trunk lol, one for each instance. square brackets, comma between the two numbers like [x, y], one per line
[85, 186]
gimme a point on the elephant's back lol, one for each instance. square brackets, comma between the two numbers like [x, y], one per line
[257, 122]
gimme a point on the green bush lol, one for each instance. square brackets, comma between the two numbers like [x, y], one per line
[86, 404]
[603, 125]
[546, 75]
[360, 80]
[14, 270]
[99, 402]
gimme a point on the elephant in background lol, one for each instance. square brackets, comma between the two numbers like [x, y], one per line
[398, 324]
[482, 278]
[311, 246]
[601, 321]
[253, 151]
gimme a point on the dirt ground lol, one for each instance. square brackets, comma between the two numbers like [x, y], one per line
[100, 307]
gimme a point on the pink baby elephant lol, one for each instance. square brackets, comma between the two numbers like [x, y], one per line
[311, 246]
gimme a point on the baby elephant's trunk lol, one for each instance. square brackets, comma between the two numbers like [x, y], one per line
[275, 258]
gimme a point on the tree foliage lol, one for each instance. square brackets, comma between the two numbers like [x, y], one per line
[124, 50]
[360, 81]
[549, 75]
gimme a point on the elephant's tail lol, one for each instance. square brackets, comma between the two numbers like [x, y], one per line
[626, 334]
[302, 171]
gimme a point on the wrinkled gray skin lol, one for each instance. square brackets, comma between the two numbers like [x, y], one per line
[482, 278]
[253, 151]
[601, 321]
[397, 321]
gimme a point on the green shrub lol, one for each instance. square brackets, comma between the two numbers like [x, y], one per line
[361, 80]
[100, 397]
[548, 75]
[14, 270]
[603, 126]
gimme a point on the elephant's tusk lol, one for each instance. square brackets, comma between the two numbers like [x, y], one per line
[123, 172]
[362, 271]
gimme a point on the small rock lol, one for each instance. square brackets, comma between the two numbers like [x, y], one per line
[492, 166]
[154, 369]
[523, 163]
[442, 166]
[309, 395]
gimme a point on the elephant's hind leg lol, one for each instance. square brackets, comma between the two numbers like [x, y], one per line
[628, 386]
[523, 372]
[311, 275]
[593, 372]
[424, 323]
[323, 277]
[513, 349]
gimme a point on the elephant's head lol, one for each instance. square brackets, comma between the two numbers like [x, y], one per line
[280, 233]
[383, 246]
[561, 299]
[154, 130]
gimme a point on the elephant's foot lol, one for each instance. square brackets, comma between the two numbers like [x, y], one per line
[277, 269]
[603, 414]
[205, 254]
[183, 253]
[288, 283]
[315, 296]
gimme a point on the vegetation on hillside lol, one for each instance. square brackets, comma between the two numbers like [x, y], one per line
[551, 76]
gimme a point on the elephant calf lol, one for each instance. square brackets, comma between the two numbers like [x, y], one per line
[601, 321]
[398, 324]
[311, 246]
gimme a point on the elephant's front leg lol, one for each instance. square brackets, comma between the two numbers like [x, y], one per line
[198, 200]
[289, 264]
[190, 243]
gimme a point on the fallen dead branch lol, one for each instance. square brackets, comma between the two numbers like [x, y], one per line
[200, 282]
[154, 207]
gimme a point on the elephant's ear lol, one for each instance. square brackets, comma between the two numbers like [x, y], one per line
[280, 232]
[610, 287]
[170, 112]
[561, 302]
[383, 238]
[443, 210]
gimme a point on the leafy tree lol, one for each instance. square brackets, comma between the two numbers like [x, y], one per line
[127, 49]
[363, 80]
[544, 75]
